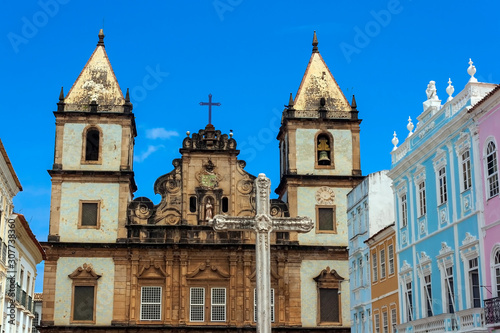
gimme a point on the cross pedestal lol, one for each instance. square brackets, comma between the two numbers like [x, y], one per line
[263, 223]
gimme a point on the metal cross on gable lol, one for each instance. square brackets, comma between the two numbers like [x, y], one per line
[263, 223]
[209, 107]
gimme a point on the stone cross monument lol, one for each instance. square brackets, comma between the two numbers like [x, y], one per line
[263, 223]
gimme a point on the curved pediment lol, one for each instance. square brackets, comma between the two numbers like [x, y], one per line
[152, 270]
[274, 275]
[207, 271]
[84, 272]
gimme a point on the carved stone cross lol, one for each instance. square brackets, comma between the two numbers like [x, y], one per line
[263, 223]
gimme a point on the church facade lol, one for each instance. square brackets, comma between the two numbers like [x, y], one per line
[115, 262]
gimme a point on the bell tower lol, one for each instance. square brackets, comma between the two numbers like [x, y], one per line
[319, 153]
[92, 177]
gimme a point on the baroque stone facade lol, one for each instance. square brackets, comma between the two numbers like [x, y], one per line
[116, 263]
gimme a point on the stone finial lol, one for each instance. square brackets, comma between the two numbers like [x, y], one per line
[431, 91]
[127, 96]
[354, 106]
[101, 38]
[61, 95]
[471, 71]
[410, 127]
[188, 133]
[450, 90]
[231, 133]
[290, 103]
[315, 43]
[395, 141]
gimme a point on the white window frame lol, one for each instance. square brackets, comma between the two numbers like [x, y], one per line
[422, 199]
[390, 254]
[442, 185]
[404, 209]
[193, 306]
[473, 265]
[374, 267]
[495, 270]
[214, 305]
[385, 321]
[382, 264]
[394, 319]
[427, 283]
[377, 322]
[255, 305]
[157, 290]
[466, 170]
[491, 175]
[449, 276]
[361, 268]
[409, 305]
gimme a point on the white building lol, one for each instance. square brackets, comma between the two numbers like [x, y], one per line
[20, 253]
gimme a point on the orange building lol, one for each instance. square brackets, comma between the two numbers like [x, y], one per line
[383, 265]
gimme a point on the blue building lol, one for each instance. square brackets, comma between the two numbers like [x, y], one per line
[370, 207]
[438, 215]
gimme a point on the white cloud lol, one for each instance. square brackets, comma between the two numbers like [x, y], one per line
[142, 156]
[160, 133]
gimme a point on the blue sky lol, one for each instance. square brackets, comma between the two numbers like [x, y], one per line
[249, 54]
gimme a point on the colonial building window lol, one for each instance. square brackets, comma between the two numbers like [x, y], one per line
[218, 311]
[408, 301]
[443, 192]
[449, 290]
[255, 305]
[326, 219]
[374, 267]
[466, 171]
[151, 303]
[323, 150]
[217, 304]
[377, 323]
[390, 249]
[89, 214]
[394, 320]
[475, 296]
[428, 295]
[84, 294]
[382, 263]
[197, 305]
[329, 300]
[404, 211]
[422, 202]
[491, 170]
[92, 144]
[225, 204]
[192, 204]
[496, 270]
[385, 322]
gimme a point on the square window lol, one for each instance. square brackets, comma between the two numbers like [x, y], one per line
[89, 214]
[326, 220]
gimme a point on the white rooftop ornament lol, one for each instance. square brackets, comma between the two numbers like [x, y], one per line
[410, 127]
[431, 91]
[450, 90]
[471, 71]
[395, 141]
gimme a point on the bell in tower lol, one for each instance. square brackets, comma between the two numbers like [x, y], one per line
[323, 151]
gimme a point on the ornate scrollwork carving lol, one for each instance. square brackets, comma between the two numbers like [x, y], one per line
[140, 210]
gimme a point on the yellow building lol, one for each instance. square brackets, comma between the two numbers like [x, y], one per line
[116, 263]
[383, 265]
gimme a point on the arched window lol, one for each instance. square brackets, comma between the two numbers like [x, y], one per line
[92, 144]
[323, 150]
[491, 170]
[496, 270]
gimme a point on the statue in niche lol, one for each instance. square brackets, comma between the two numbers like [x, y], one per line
[209, 210]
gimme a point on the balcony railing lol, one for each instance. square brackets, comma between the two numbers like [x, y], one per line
[18, 293]
[30, 304]
[470, 319]
[492, 311]
[23, 298]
